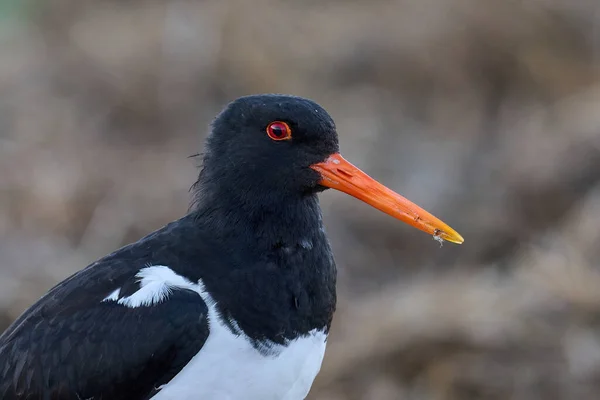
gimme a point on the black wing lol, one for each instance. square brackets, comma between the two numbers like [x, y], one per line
[72, 345]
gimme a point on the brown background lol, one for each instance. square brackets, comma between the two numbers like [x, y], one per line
[485, 112]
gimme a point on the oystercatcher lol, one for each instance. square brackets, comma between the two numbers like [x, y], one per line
[232, 301]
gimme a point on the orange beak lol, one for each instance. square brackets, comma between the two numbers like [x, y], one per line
[337, 173]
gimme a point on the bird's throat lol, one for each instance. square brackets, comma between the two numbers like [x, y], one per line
[266, 220]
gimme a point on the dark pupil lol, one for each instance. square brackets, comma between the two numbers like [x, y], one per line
[278, 130]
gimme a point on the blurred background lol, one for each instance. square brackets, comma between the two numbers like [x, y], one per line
[484, 112]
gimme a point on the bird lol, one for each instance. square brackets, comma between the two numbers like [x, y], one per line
[234, 300]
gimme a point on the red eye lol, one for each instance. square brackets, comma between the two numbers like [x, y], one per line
[279, 131]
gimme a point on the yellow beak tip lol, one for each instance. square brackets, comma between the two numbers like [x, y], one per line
[454, 238]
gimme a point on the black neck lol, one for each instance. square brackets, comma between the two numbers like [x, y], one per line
[269, 221]
[276, 272]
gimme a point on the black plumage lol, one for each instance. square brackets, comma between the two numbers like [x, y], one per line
[244, 237]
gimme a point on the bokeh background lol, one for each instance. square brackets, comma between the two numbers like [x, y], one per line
[484, 112]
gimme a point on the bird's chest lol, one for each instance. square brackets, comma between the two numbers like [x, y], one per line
[232, 366]
[228, 368]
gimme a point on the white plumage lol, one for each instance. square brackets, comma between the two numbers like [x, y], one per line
[229, 367]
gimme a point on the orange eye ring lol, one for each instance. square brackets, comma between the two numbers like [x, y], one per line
[278, 130]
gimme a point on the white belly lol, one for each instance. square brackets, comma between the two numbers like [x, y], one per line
[228, 367]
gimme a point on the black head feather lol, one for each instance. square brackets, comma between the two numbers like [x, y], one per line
[242, 161]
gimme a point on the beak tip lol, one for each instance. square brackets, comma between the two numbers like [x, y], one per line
[455, 238]
[448, 234]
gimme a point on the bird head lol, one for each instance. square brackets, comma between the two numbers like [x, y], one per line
[280, 147]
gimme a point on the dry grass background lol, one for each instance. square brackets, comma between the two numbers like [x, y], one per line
[485, 112]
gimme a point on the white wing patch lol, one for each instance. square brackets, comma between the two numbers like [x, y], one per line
[114, 296]
[156, 283]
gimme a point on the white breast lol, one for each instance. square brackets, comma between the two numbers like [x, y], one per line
[228, 367]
